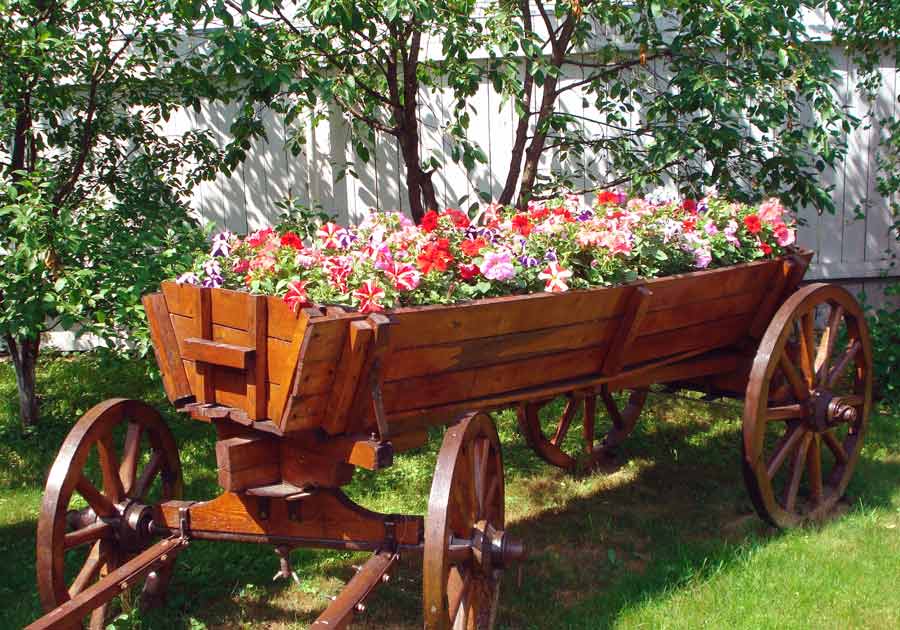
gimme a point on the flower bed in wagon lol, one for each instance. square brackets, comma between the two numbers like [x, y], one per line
[554, 246]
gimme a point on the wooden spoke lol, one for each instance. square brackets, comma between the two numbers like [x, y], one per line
[480, 462]
[786, 444]
[109, 463]
[101, 505]
[89, 571]
[98, 617]
[826, 344]
[840, 455]
[797, 466]
[457, 588]
[566, 420]
[807, 347]
[142, 485]
[798, 385]
[814, 470]
[841, 364]
[92, 533]
[491, 498]
[784, 412]
[130, 454]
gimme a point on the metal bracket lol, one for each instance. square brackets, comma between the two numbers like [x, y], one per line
[184, 522]
[264, 505]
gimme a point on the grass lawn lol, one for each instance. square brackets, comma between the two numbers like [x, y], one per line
[669, 540]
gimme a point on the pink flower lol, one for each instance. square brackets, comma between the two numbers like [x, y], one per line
[771, 211]
[702, 258]
[730, 231]
[296, 296]
[263, 262]
[497, 266]
[331, 235]
[368, 295]
[556, 278]
[784, 235]
[710, 228]
[241, 265]
[404, 276]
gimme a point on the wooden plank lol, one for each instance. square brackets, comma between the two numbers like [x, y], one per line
[411, 362]
[165, 348]
[677, 291]
[231, 308]
[238, 453]
[206, 390]
[347, 375]
[282, 320]
[179, 298]
[263, 474]
[705, 336]
[629, 325]
[698, 312]
[431, 325]
[367, 402]
[218, 353]
[428, 391]
[258, 368]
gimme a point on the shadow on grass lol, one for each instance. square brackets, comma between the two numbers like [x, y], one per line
[675, 511]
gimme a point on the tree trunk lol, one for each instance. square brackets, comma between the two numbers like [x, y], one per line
[24, 353]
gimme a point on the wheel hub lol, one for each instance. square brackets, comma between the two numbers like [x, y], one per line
[492, 548]
[827, 410]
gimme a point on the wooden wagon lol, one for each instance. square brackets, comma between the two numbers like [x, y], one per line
[299, 400]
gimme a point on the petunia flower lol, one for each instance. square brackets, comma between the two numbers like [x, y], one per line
[404, 276]
[368, 295]
[556, 278]
[784, 235]
[221, 244]
[188, 277]
[753, 223]
[296, 297]
[330, 235]
[497, 266]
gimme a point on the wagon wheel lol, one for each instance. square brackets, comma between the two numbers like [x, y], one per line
[465, 545]
[800, 443]
[550, 449]
[77, 545]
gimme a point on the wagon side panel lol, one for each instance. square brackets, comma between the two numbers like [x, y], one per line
[438, 357]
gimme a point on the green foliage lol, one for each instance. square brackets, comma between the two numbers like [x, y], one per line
[884, 327]
[94, 189]
[300, 219]
[728, 94]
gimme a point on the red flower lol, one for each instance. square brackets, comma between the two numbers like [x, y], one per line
[259, 237]
[752, 223]
[467, 272]
[473, 247]
[435, 256]
[296, 295]
[606, 197]
[429, 221]
[522, 225]
[689, 224]
[537, 215]
[766, 248]
[368, 295]
[290, 239]
[690, 205]
[565, 214]
[459, 218]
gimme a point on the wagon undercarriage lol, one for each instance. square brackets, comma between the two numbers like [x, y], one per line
[800, 358]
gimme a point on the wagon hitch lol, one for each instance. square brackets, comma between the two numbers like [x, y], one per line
[121, 579]
[352, 599]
